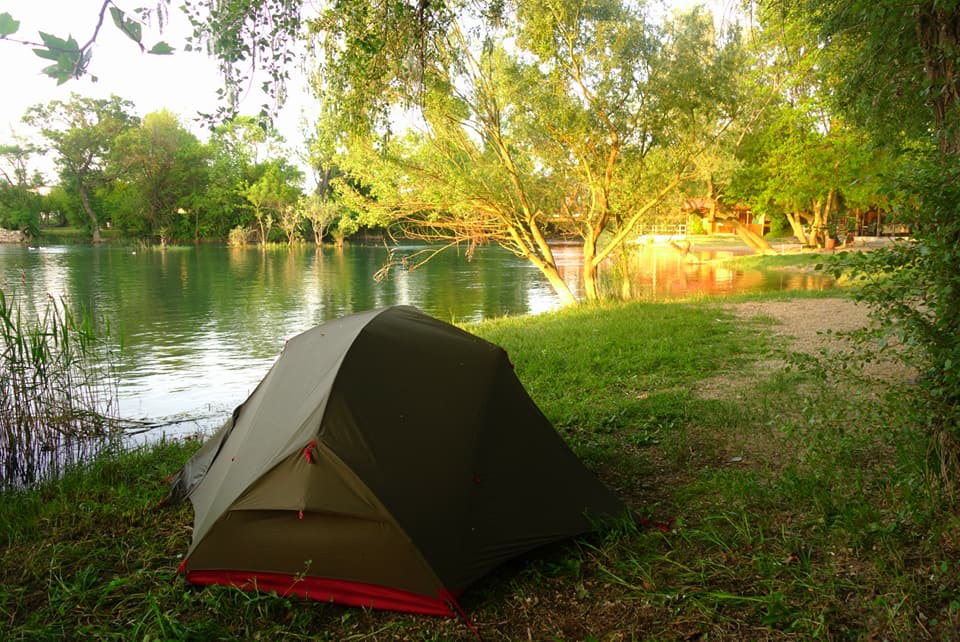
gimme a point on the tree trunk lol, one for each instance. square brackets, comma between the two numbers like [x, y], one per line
[548, 268]
[753, 240]
[591, 285]
[559, 286]
[796, 224]
[591, 282]
[94, 223]
[818, 228]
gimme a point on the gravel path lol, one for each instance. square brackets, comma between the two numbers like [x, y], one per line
[801, 325]
[802, 322]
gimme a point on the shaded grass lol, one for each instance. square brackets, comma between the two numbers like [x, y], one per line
[799, 511]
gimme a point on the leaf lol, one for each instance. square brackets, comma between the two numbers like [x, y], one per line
[48, 54]
[133, 29]
[129, 26]
[57, 72]
[117, 16]
[161, 49]
[8, 25]
[53, 42]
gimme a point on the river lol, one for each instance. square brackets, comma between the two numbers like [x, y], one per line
[200, 326]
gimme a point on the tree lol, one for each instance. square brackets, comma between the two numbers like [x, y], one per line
[234, 150]
[320, 213]
[807, 169]
[82, 132]
[20, 204]
[271, 196]
[162, 168]
[893, 68]
[734, 102]
[567, 132]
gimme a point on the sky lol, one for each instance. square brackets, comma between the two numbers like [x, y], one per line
[184, 83]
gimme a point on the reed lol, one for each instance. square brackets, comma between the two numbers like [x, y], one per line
[58, 390]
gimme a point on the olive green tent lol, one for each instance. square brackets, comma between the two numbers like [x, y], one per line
[386, 460]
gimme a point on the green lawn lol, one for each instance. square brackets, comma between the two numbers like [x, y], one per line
[798, 501]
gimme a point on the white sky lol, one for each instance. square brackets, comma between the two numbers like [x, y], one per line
[185, 83]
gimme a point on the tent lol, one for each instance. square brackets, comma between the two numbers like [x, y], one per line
[386, 460]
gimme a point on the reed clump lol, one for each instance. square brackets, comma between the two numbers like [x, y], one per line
[58, 390]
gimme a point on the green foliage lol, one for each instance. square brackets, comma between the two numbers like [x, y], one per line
[20, 209]
[914, 287]
[779, 226]
[568, 118]
[247, 36]
[233, 151]
[275, 193]
[892, 65]
[8, 26]
[72, 59]
[64, 207]
[20, 205]
[82, 132]
[57, 390]
[160, 173]
[898, 69]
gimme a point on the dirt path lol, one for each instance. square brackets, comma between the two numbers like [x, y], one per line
[803, 321]
[801, 324]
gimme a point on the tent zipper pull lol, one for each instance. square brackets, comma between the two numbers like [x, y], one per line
[308, 452]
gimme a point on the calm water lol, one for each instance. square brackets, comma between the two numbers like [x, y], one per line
[201, 326]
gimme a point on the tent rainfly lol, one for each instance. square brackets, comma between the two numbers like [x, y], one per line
[387, 460]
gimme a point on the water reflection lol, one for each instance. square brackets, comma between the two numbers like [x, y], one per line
[201, 325]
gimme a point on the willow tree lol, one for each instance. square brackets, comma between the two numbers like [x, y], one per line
[563, 123]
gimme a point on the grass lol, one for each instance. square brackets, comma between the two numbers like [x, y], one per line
[69, 235]
[797, 512]
[57, 390]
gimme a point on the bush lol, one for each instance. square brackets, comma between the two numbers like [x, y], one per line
[238, 236]
[914, 289]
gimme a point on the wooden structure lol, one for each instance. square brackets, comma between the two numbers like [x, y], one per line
[718, 218]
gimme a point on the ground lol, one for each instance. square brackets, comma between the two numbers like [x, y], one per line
[813, 327]
[803, 321]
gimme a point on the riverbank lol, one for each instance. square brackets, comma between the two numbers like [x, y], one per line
[795, 494]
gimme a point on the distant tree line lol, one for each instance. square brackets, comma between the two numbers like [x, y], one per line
[152, 179]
